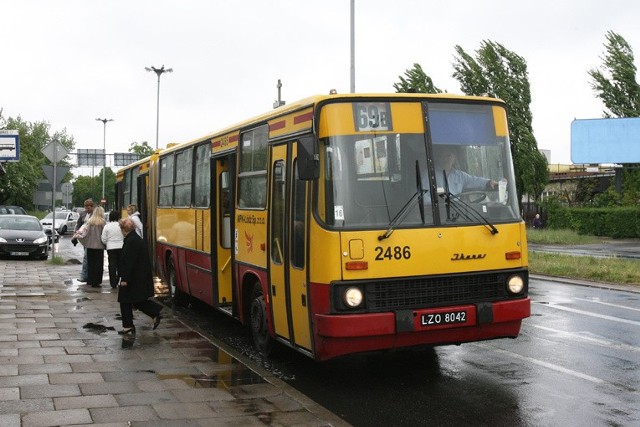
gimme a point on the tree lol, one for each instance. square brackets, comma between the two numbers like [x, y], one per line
[90, 187]
[143, 149]
[615, 81]
[501, 73]
[616, 85]
[19, 183]
[86, 187]
[417, 81]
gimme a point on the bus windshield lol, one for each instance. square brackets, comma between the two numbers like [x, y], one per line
[458, 172]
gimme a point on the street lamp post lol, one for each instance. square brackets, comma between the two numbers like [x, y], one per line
[159, 71]
[104, 149]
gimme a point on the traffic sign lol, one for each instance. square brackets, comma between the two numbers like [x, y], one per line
[55, 151]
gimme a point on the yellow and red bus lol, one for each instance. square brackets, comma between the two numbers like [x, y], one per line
[334, 226]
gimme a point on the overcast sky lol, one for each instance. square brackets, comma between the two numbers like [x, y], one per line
[69, 62]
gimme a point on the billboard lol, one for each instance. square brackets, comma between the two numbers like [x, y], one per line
[91, 157]
[124, 159]
[9, 146]
[605, 140]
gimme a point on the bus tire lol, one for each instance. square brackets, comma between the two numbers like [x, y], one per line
[262, 339]
[177, 297]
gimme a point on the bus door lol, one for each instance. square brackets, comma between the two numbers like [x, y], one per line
[287, 248]
[222, 227]
[142, 203]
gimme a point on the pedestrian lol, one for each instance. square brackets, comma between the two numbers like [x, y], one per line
[95, 248]
[84, 216]
[537, 222]
[112, 237]
[136, 279]
[132, 210]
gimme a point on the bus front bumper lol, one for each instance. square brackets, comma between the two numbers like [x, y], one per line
[353, 333]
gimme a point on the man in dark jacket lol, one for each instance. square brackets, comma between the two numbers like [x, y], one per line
[136, 279]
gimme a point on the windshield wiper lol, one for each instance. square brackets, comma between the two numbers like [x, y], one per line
[470, 213]
[400, 216]
[419, 194]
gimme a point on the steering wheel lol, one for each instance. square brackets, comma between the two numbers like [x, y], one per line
[475, 196]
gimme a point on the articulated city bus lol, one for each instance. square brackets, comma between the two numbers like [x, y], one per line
[343, 224]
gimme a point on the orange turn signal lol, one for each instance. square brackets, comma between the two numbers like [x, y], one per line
[356, 265]
[512, 255]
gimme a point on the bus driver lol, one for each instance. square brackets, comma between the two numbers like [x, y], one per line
[458, 181]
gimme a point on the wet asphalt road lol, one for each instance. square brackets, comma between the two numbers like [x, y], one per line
[576, 363]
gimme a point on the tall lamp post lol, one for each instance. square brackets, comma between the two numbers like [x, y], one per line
[159, 71]
[104, 149]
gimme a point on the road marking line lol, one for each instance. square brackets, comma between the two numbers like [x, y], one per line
[591, 314]
[604, 343]
[548, 365]
[608, 303]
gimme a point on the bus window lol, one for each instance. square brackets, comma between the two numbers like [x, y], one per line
[278, 209]
[201, 185]
[127, 188]
[225, 210]
[165, 188]
[252, 173]
[298, 217]
[369, 179]
[135, 173]
[182, 188]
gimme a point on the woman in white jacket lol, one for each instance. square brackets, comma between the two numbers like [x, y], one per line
[112, 237]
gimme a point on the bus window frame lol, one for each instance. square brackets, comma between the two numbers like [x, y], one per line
[182, 186]
[168, 184]
[253, 164]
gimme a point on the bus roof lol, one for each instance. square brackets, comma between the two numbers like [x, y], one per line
[305, 103]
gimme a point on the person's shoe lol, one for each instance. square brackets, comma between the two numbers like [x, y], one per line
[82, 280]
[96, 286]
[127, 331]
[156, 321]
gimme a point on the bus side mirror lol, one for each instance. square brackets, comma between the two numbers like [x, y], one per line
[308, 158]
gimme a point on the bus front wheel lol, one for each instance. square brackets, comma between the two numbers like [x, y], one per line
[259, 326]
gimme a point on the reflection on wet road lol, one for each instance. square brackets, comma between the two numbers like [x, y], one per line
[576, 363]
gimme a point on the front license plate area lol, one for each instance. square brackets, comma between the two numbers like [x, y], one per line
[443, 318]
[19, 253]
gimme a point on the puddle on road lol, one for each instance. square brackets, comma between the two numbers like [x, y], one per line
[97, 328]
[229, 371]
[227, 375]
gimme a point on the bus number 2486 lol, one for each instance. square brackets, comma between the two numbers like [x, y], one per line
[392, 252]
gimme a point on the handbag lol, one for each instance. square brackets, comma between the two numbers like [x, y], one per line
[81, 233]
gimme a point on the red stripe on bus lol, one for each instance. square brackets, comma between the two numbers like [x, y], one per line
[303, 118]
[277, 125]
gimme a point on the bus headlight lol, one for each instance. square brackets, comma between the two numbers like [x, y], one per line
[515, 284]
[352, 297]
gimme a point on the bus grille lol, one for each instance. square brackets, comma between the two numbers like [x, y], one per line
[434, 291]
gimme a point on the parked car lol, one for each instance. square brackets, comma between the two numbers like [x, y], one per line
[17, 210]
[23, 236]
[65, 221]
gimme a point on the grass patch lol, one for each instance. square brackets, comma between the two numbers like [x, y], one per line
[560, 237]
[609, 270]
[56, 260]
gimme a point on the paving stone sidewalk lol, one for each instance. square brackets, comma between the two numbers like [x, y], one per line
[63, 363]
